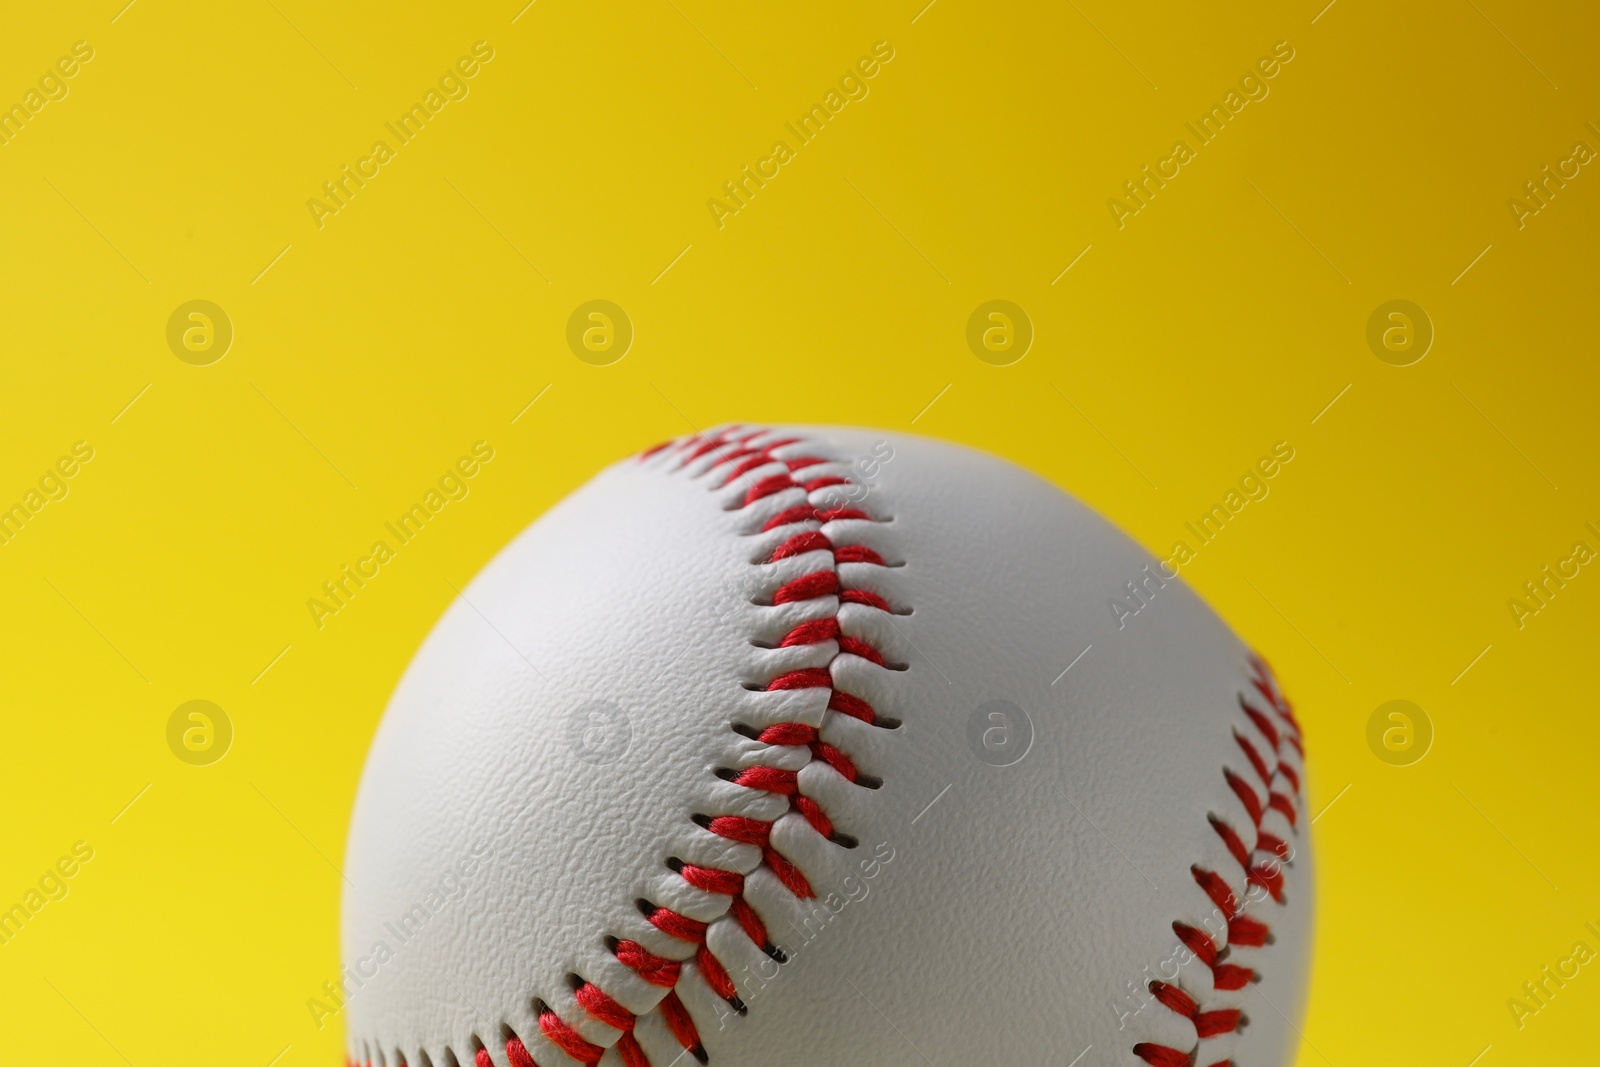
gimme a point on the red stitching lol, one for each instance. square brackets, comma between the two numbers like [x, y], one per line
[1262, 863]
[570, 1041]
[681, 927]
[602, 1007]
[810, 541]
[517, 1053]
[682, 1027]
[652, 968]
[735, 446]
[632, 1054]
[729, 883]
[809, 587]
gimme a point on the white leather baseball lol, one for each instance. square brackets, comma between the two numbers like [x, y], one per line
[965, 854]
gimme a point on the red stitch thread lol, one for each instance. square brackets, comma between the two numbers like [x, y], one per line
[811, 633]
[790, 516]
[808, 678]
[835, 758]
[632, 1055]
[1247, 931]
[1268, 878]
[853, 706]
[787, 873]
[1206, 1023]
[736, 447]
[681, 927]
[712, 880]
[1254, 757]
[517, 1053]
[602, 1007]
[750, 922]
[570, 1041]
[1232, 840]
[862, 596]
[1231, 976]
[682, 1027]
[1246, 795]
[809, 587]
[1263, 723]
[788, 733]
[716, 977]
[775, 483]
[652, 968]
[739, 828]
[1197, 942]
[1244, 931]
[814, 815]
[1162, 1056]
[1217, 889]
[810, 541]
[857, 554]
[770, 779]
[857, 647]
[1270, 843]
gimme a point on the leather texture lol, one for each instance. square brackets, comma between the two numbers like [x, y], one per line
[558, 732]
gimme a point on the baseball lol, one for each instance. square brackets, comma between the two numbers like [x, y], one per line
[812, 746]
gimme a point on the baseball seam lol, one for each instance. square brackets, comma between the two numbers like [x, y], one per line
[804, 513]
[740, 453]
[1261, 862]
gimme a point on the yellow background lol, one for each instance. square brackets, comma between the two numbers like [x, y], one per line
[427, 313]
